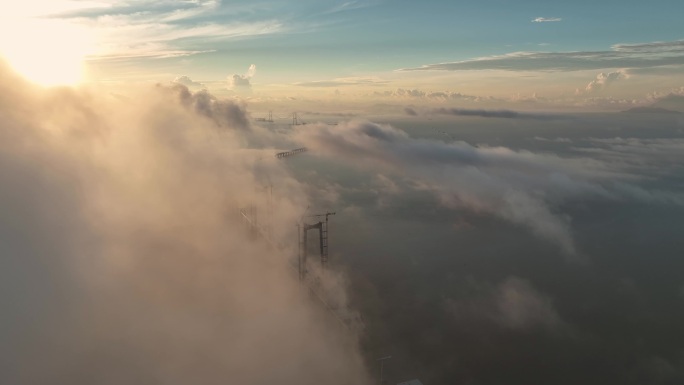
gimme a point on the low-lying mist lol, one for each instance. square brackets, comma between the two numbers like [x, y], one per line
[473, 248]
[508, 251]
[123, 257]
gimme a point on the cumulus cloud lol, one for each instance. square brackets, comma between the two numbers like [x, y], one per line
[242, 82]
[124, 259]
[186, 81]
[223, 113]
[546, 19]
[238, 81]
[604, 80]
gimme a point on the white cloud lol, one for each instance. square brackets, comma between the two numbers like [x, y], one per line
[238, 81]
[242, 82]
[604, 80]
[351, 5]
[338, 82]
[413, 93]
[164, 29]
[186, 81]
[121, 246]
[546, 19]
[522, 187]
[121, 39]
[647, 55]
[473, 178]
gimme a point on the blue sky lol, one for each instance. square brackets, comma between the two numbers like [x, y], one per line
[297, 42]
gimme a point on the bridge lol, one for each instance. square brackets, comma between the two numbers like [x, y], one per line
[285, 154]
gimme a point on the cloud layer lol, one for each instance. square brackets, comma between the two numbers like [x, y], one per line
[123, 255]
[470, 241]
[645, 55]
[525, 188]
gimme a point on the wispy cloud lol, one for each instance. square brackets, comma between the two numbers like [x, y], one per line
[503, 114]
[645, 55]
[158, 39]
[351, 5]
[413, 93]
[136, 29]
[546, 19]
[340, 82]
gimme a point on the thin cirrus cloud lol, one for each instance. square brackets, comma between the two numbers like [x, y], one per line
[646, 55]
[168, 29]
[163, 40]
[546, 19]
[350, 6]
[340, 82]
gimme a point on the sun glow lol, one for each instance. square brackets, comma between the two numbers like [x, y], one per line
[45, 51]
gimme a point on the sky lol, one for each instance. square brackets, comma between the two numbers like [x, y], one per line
[507, 180]
[494, 48]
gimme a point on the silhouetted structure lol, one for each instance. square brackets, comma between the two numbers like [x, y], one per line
[322, 227]
[285, 154]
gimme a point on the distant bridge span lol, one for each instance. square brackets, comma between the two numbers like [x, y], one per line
[285, 154]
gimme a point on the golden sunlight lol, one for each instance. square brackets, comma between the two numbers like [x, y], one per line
[46, 51]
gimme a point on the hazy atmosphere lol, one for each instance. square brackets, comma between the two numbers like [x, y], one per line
[342, 192]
